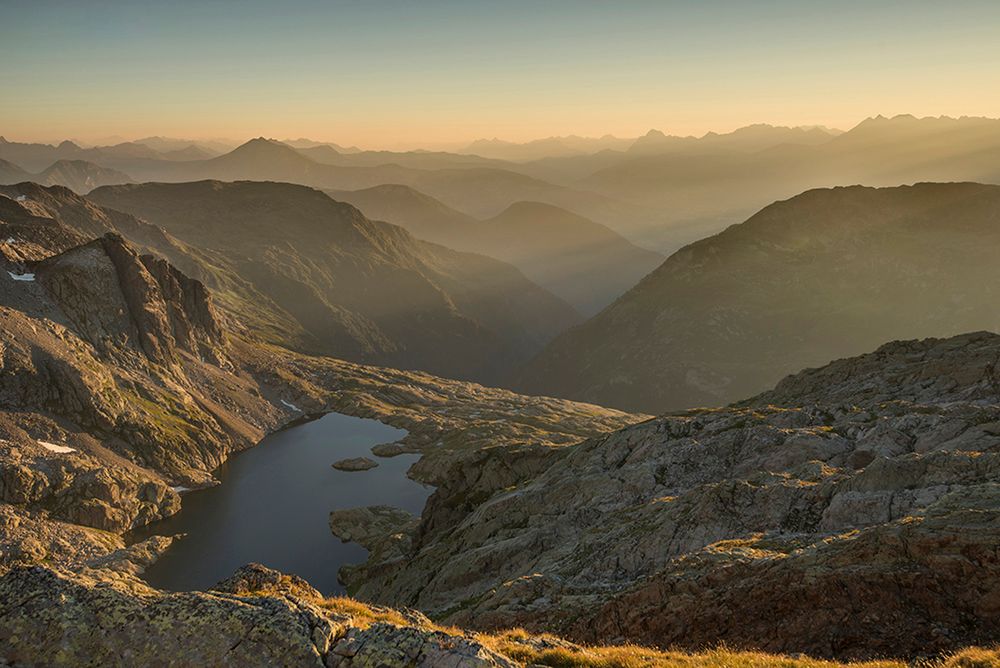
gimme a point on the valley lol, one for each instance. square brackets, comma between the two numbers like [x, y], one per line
[479, 335]
[543, 513]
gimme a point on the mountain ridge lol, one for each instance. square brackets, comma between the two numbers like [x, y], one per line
[357, 288]
[579, 260]
[828, 273]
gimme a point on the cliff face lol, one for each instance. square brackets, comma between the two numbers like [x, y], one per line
[869, 492]
[115, 298]
[115, 380]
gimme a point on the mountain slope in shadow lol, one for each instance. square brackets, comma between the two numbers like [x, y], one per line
[581, 261]
[350, 287]
[826, 274]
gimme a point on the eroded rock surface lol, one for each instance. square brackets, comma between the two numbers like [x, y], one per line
[256, 618]
[853, 522]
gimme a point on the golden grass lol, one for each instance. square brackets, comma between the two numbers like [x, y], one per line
[545, 650]
[548, 650]
[974, 657]
[363, 614]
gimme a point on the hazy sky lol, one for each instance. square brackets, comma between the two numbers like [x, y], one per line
[390, 74]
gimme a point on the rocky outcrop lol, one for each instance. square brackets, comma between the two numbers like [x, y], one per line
[925, 584]
[386, 532]
[355, 464]
[872, 501]
[256, 618]
[81, 489]
[260, 617]
[116, 298]
[29, 537]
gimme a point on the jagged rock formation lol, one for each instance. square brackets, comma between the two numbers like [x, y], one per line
[116, 298]
[825, 274]
[849, 513]
[337, 283]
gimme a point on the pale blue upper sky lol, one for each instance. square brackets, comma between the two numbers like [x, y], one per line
[428, 73]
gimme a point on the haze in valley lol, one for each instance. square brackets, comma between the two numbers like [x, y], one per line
[473, 334]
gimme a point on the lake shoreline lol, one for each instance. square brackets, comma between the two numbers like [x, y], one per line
[229, 522]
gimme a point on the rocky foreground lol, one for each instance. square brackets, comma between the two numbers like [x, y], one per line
[852, 512]
[259, 617]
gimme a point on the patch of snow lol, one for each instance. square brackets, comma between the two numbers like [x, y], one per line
[59, 449]
[21, 198]
[292, 406]
[11, 240]
[180, 489]
[22, 277]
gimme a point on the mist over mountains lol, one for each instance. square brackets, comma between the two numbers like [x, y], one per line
[317, 276]
[826, 274]
[500, 335]
[559, 250]
[658, 191]
[189, 301]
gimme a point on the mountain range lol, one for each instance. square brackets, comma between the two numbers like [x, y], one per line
[316, 275]
[583, 262]
[551, 147]
[77, 175]
[152, 331]
[659, 191]
[700, 187]
[828, 273]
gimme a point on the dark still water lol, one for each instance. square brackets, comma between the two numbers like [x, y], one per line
[274, 503]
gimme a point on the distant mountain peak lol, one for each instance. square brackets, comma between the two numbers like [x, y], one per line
[265, 146]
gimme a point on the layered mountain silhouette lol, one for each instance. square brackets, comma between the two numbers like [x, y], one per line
[749, 138]
[700, 186]
[473, 185]
[551, 147]
[78, 175]
[11, 173]
[316, 274]
[659, 191]
[581, 261]
[826, 274]
[35, 157]
[122, 156]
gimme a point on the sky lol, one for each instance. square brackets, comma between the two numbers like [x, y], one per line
[437, 74]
